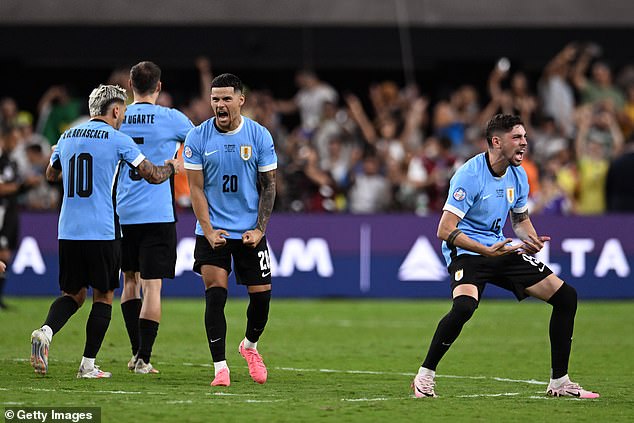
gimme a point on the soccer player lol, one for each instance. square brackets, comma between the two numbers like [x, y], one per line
[231, 165]
[482, 192]
[146, 213]
[87, 158]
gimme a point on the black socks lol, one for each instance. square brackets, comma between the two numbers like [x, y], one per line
[96, 327]
[131, 310]
[215, 322]
[60, 311]
[449, 328]
[562, 321]
[257, 314]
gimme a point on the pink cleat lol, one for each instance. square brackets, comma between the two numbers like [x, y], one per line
[424, 386]
[257, 369]
[222, 378]
[570, 389]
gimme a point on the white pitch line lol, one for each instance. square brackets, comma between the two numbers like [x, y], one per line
[367, 399]
[530, 381]
[227, 394]
[503, 394]
[372, 372]
[92, 392]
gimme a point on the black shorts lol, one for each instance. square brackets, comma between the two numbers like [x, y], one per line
[9, 231]
[252, 265]
[149, 248]
[513, 272]
[89, 263]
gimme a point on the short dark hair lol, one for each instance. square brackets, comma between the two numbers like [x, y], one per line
[145, 76]
[227, 80]
[501, 123]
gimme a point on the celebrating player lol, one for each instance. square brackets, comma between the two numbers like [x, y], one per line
[146, 213]
[231, 165]
[87, 157]
[482, 193]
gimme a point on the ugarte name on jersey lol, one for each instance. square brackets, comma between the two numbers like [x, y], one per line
[85, 133]
[139, 119]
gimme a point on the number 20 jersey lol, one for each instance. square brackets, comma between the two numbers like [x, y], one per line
[230, 162]
[89, 156]
[482, 200]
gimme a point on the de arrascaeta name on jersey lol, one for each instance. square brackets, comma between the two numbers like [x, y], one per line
[85, 133]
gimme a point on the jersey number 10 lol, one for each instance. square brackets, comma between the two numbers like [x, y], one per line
[80, 175]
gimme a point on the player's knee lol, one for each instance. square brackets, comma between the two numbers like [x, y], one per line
[464, 306]
[261, 297]
[565, 297]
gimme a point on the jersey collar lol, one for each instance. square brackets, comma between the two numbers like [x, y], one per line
[235, 131]
[486, 159]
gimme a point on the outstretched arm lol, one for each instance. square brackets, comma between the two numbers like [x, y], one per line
[524, 229]
[265, 208]
[156, 174]
[448, 231]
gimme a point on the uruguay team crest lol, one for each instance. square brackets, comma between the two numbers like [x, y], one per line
[510, 195]
[245, 152]
[458, 275]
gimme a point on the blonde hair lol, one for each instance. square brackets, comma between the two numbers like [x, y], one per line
[103, 96]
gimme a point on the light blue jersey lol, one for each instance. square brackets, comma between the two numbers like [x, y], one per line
[89, 156]
[230, 162]
[157, 131]
[483, 200]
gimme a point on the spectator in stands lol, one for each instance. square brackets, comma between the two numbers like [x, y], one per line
[619, 191]
[11, 186]
[592, 160]
[57, 110]
[556, 94]
[370, 191]
[551, 199]
[309, 100]
[600, 87]
[43, 195]
[8, 112]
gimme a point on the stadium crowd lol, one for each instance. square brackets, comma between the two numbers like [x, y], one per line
[392, 149]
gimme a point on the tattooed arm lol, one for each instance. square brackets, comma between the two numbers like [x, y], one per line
[265, 208]
[523, 228]
[156, 174]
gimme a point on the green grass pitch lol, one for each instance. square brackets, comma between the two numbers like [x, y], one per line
[333, 360]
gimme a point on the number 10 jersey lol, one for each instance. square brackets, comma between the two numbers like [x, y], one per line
[88, 156]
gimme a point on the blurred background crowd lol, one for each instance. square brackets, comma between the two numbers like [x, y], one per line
[393, 147]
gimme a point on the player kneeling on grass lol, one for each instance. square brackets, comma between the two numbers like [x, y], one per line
[482, 192]
[87, 157]
[231, 165]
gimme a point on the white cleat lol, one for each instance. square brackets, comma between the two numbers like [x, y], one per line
[94, 373]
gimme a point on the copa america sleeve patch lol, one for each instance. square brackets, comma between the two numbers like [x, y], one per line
[188, 152]
[459, 194]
